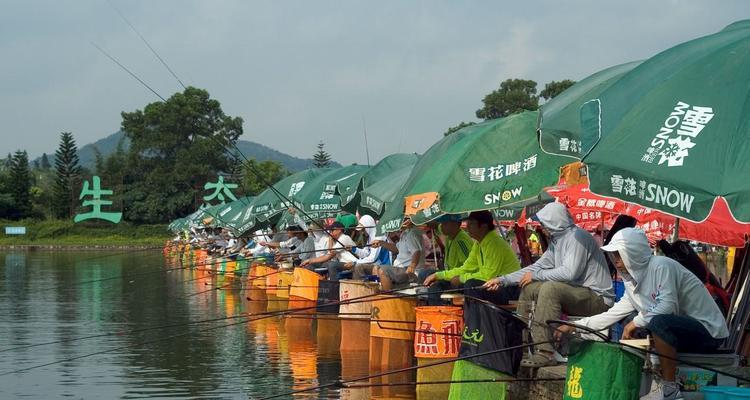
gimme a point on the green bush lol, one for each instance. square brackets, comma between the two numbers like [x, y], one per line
[65, 232]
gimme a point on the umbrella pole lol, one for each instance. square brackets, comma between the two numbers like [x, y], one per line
[676, 231]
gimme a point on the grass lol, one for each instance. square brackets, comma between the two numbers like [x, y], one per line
[67, 233]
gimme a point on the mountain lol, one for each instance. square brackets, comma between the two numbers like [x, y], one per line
[249, 149]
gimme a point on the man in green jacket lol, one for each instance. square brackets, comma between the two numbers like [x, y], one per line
[458, 244]
[490, 255]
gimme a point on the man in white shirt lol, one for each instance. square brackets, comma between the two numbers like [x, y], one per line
[338, 255]
[409, 254]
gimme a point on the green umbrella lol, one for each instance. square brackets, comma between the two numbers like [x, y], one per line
[672, 134]
[350, 186]
[197, 218]
[319, 199]
[393, 210]
[375, 196]
[496, 164]
[235, 215]
[270, 204]
[560, 118]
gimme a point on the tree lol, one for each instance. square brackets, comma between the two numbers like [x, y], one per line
[458, 127]
[552, 89]
[20, 184]
[270, 171]
[321, 158]
[67, 175]
[176, 146]
[513, 96]
[45, 162]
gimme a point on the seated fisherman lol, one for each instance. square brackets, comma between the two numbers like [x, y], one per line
[338, 252]
[490, 256]
[570, 277]
[298, 245]
[672, 304]
[457, 245]
[368, 254]
[406, 246]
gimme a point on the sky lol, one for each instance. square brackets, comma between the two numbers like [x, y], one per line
[300, 72]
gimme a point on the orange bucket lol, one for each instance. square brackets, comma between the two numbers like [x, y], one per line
[391, 308]
[283, 282]
[305, 284]
[438, 331]
[350, 289]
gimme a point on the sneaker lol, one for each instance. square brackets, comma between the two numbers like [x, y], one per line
[671, 391]
[538, 360]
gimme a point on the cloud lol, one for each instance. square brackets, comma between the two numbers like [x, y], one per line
[300, 72]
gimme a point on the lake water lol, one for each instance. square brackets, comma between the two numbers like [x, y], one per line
[149, 337]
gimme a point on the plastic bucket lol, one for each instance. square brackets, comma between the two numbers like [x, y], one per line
[438, 331]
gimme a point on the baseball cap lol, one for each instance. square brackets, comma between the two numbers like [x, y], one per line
[335, 225]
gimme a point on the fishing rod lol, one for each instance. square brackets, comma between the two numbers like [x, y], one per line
[450, 382]
[604, 338]
[354, 300]
[164, 63]
[640, 349]
[342, 383]
[128, 71]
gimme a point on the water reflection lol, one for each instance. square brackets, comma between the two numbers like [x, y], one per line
[155, 340]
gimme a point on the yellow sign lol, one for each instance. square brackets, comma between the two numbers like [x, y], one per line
[574, 382]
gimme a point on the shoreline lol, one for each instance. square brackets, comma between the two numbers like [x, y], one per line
[75, 247]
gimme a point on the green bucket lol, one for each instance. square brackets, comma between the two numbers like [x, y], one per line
[603, 371]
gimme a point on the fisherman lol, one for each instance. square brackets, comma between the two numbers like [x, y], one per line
[338, 254]
[672, 304]
[406, 246]
[298, 245]
[458, 244]
[490, 256]
[367, 254]
[570, 277]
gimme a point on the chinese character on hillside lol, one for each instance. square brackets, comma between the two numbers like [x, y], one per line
[96, 213]
[221, 189]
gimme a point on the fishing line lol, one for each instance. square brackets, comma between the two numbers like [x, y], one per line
[354, 300]
[147, 44]
[495, 380]
[128, 71]
[342, 383]
[547, 326]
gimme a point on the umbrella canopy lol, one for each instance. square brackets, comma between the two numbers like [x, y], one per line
[270, 204]
[560, 118]
[672, 133]
[375, 196]
[349, 187]
[393, 211]
[496, 164]
[318, 198]
[590, 209]
[236, 215]
[204, 215]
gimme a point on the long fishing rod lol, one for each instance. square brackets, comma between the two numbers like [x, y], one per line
[607, 340]
[451, 382]
[353, 300]
[644, 350]
[342, 383]
[164, 63]
[128, 71]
